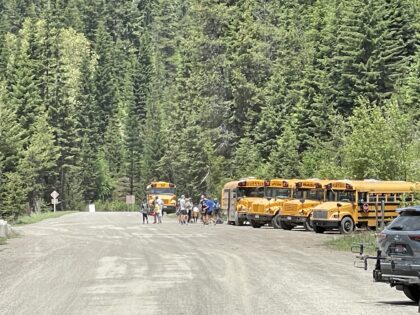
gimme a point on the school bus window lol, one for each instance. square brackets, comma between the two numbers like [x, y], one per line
[345, 195]
[251, 192]
[363, 197]
[372, 197]
[280, 193]
[331, 196]
[315, 194]
[381, 197]
[409, 198]
[162, 191]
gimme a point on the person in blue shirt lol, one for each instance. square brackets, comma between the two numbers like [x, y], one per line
[208, 208]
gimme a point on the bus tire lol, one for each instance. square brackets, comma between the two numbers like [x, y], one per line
[308, 225]
[412, 292]
[346, 225]
[255, 224]
[275, 221]
[286, 226]
[238, 222]
[319, 229]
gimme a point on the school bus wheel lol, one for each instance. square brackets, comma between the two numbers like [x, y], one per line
[308, 225]
[286, 226]
[275, 222]
[238, 221]
[346, 225]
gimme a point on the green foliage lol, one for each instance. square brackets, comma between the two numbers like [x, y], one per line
[104, 180]
[39, 161]
[380, 143]
[98, 98]
[37, 217]
[114, 206]
[12, 196]
[345, 242]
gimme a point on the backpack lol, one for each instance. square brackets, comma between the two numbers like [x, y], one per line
[157, 208]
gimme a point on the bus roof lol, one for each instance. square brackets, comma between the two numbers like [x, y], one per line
[312, 183]
[373, 186]
[282, 182]
[251, 182]
[231, 185]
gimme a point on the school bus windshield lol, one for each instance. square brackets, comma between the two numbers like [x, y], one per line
[162, 191]
[256, 192]
[341, 195]
[311, 194]
[280, 193]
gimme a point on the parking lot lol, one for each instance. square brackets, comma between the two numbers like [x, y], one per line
[109, 263]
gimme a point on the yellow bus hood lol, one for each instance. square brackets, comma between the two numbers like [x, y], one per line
[294, 207]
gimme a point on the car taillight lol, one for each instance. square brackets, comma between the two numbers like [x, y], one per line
[380, 236]
[414, 237]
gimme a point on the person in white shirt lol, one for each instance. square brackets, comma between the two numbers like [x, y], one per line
[183, 209]
[159, 209]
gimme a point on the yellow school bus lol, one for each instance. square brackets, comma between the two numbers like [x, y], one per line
[267, 209]
[297, 212]
[238, 196]
[166, 191]
[358, 203]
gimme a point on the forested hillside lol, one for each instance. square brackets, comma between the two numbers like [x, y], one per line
[99, 97]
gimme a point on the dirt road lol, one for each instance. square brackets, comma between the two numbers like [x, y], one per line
[109, 263]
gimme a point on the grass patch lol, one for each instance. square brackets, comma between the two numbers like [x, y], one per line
[37, 217]
[3, 240]
[345, 242]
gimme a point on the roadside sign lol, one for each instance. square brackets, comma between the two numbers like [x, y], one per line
[54, 194]
[130, 199]
[54, 201]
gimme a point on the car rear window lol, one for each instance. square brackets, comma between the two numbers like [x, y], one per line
[407, 221]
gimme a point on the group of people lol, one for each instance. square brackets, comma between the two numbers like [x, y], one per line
[156, 211]
[188, 212]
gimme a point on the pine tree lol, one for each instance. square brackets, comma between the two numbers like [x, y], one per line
[106, 85]
[22, 83]
[39, 162]
[11, 136]
[284, 159]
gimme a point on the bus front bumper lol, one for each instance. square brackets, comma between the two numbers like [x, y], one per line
[326, 224]
[259, 217]
[169, 209]
[293, 219]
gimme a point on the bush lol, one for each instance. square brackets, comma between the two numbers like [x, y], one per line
[114, 206]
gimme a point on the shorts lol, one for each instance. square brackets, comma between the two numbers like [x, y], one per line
[209, 212]
[184, 212]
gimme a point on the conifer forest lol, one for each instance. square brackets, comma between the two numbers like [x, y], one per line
[99, 97]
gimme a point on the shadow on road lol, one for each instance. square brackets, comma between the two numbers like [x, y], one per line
[398, 303]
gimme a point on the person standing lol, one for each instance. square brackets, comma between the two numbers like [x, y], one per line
[145, 211]
[159, 209]
[183, 209]
[189, 205]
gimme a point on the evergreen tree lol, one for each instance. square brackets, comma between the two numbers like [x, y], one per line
[39, 162]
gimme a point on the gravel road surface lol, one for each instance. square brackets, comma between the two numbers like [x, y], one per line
[109, 263]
